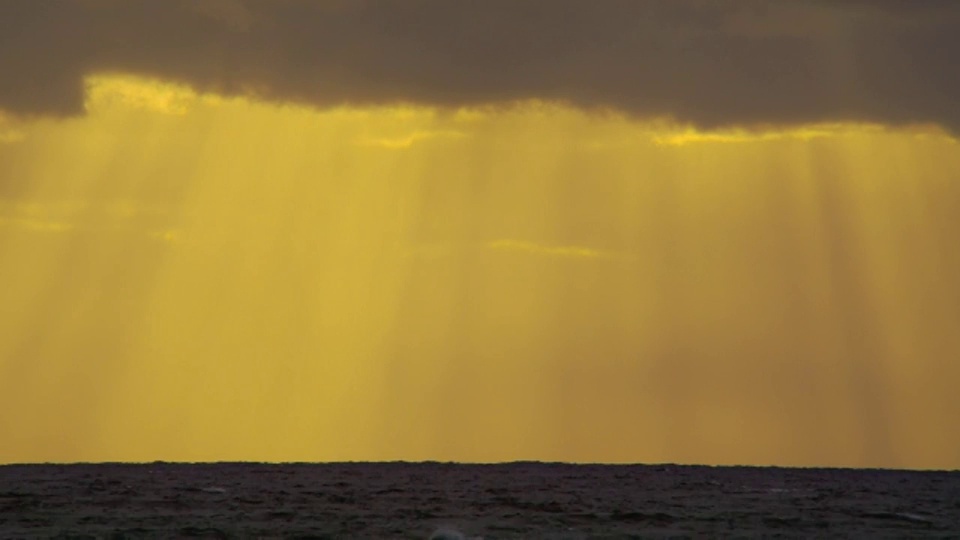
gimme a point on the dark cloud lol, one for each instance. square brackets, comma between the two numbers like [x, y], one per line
[712, 63]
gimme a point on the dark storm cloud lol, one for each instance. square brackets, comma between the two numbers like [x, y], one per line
[709, 62]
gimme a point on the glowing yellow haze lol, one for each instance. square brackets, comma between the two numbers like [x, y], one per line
[189, 277]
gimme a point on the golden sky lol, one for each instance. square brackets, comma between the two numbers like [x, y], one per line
[229, 267]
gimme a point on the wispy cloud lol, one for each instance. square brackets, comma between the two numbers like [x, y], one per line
[139, 93]
[804, 133]
[77, 216]
[34, 224]
[665, 133]
[406, 141]
[9, 130]
[568, 252]
[170, 236]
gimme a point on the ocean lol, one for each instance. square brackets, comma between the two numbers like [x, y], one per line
[472, 501]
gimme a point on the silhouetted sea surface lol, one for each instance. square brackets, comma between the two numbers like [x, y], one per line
[516, 500]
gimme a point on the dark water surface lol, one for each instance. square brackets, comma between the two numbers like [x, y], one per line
[517, 500]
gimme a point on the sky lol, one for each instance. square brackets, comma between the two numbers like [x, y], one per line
[686, 231]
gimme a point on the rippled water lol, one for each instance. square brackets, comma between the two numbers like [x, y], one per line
[518, 500]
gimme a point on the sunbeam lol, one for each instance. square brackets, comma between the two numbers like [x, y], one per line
[188, 276]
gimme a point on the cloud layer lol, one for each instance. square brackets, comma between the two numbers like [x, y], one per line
[709, 63]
